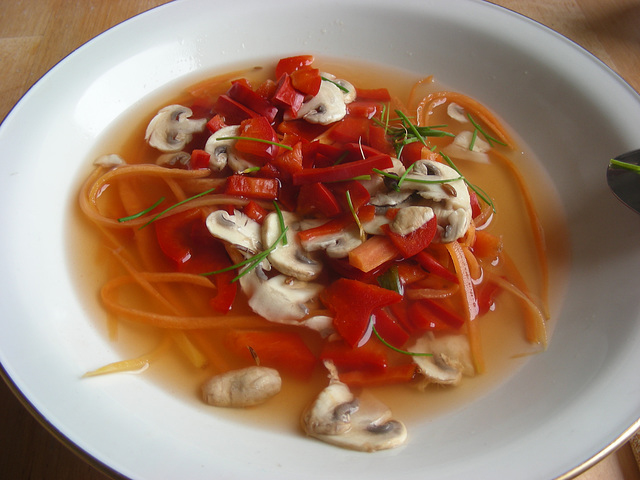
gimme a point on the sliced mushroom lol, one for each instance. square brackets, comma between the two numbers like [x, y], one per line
[223, 152]
[449, 199]
[238, 230]
[461, 148]
[173, 159]
[329, 105]
[337, 245]
[409, 219]
[456, 112]
[109, 160]
[242, 388]
[172, 129]
[450, 361]
[283, 299]
[338, 418]
[290, 259]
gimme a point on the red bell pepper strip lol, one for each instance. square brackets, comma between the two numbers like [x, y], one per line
[252, 187]
[290, 64]
[318, 155]
[389, 328]
[486, 293]
[430, 264]
[317, 198]
[358, 194]
[257, 128]
[343, 171]
[363, 109]
[358, 151]
[331, 227]
[429, 315]
[231, 111]
[241, 93]
[413, 242]
[286, 96]
[393, 375]
[378, 94]
[364, 358]
[174, 235]
[352, 303]
[284, 351]
[216, 123]
[289, 161]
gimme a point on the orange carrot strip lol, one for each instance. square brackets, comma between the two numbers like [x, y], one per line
[374, 252]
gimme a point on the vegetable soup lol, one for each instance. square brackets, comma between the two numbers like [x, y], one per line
[321, 244]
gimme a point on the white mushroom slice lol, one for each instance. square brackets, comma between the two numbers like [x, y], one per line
[282, 299]
[238, 230]
[456, 112]
[322, 324]
[329, 105]
[449, 200]
[373, 226]
[109, 160]
[242, 388]
[290, 259]
[450, 361]
[338, 418]
[409, 219]
[337, 245]
[223, 153]
[460, 148]
[173, 158]
[171, 129]
[348, 90]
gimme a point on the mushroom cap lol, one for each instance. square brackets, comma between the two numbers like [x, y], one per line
[282, 299]
[329, 105]
[242, 388]
[171, 129]
[237, 229]
[223, 153]
[450, 361]
[290, 259]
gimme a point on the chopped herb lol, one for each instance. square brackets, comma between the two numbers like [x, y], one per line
[413, 354]
[201, 194]
[341, 87]
[363, 235]
[281, 221]
[250, 170]
[391, 280]
[472, 143]
[624, 165]
[143, 212]
[489, 138]
[261, 140]
[252, 261]
[481, 193]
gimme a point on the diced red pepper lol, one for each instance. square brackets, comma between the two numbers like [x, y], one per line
[333, 226]
[231, 111]
[318, 155]
[199, 159]
[266, 89]
[216, 123]
[411, 153]
[174, 235]
[242, 93]
[379, 94]
[430, 264]
[301, 128]
[289, 161]
[378, 140]
[475, 204]
[290, 64]
[284, 351]
[286, 96]
[343, 171]
[254, 211]
[346, 358]
[413, 242]
[358, 194]
[252, 187]
[317, 198]
[350, 129]
[307, 80]
[352, 303]
[258, 128]
[363, 109]
[389, 328]
[485, 294]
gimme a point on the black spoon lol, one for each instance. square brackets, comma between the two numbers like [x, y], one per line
[623, 177]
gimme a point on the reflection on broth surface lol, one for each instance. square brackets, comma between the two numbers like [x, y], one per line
[359, 230]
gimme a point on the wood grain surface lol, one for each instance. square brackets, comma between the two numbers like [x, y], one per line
[36, 34]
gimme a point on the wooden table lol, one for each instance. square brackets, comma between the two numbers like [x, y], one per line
[36, 34]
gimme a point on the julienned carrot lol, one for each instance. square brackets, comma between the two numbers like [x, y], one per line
[487, 245]
[475, 108]
[375, 251]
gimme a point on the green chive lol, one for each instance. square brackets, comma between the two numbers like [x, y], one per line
[363, 235]
[625, 165]
[489, 138]
[143, 212]
[341, 87]
[280, 221]
[260, 140]
[413, 354]
[472, 143]
[201, 194]
[481, 193]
